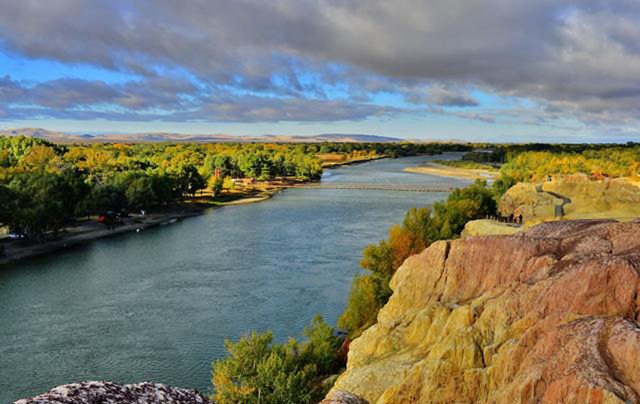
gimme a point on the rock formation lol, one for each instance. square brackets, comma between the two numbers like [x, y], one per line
[523, 199]
[111, 393]
[486, 227]
[343, 397]
[590, 199]
[545, 316]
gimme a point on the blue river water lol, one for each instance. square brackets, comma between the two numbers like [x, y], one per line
[158, 305]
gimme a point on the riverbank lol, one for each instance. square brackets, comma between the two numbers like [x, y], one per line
[86, 231]
[89, 230]
[441, 170]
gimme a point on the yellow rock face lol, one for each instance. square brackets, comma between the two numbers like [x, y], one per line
[523, 199]
[606, 199]
[485, 227]
[539, 317]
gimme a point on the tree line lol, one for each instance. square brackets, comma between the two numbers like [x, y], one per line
[532, 162]
[44, 186]
[393, 150]
[609, 162]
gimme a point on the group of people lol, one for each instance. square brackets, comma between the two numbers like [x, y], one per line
[512, 218]
[515, 219]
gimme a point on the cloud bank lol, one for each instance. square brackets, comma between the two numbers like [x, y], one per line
[329, 60]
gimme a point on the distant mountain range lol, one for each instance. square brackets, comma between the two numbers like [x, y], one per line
[61, 137]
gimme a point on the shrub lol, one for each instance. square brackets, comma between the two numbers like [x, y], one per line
[259, 371]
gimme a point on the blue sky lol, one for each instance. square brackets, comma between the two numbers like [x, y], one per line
[501, 71]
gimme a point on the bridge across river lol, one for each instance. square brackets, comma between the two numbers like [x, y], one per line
[431, 187]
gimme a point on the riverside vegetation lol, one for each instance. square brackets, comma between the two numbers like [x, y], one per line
[45, 186]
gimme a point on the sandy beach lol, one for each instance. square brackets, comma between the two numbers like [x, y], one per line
[442, 170]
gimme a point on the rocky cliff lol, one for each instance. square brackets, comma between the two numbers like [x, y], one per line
[546, 316]
[523, 199]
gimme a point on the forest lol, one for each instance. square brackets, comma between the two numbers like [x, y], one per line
[44, 186]
[534, 162]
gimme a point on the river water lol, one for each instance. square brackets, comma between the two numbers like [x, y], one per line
[157, 305]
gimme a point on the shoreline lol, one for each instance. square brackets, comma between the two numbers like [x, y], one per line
[332, 165]
[441, 170]
[88, 231]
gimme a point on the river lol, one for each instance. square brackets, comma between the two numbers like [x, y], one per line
[157, 305]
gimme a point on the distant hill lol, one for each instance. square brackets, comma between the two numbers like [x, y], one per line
[61, 137]
[339, 137]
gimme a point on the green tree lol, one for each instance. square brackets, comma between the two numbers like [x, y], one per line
[216, 185]
[259, 371]
[44, 202]
[322, 346]
[188, 180]
[139, 193]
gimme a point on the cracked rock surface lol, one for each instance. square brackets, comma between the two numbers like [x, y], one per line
[546, 316]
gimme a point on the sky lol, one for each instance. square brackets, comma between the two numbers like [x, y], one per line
[480, 70]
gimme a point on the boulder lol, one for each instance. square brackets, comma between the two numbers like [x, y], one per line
[92, 392]
[523, 199]
[343, 397]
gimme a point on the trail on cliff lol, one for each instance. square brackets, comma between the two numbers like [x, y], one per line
[546, 316]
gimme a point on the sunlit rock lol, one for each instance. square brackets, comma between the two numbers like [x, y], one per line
[546, 316]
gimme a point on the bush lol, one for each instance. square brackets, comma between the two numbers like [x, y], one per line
[259, 371]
